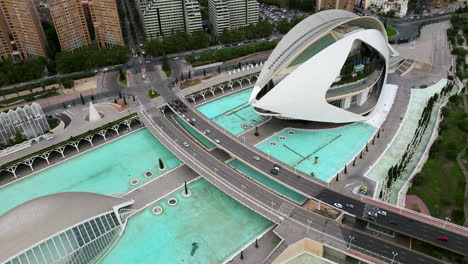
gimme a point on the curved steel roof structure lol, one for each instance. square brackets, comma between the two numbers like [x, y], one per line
[301, 80]
[37, 220]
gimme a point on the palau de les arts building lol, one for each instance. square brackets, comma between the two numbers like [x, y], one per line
[331, 67]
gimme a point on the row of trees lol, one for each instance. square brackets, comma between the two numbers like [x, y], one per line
[11, 73]
[177, 42]
[303, 5]
[262, 29]
[229, 53]
[458, 36]
[283, 26]
[395, 172]
[89, 57]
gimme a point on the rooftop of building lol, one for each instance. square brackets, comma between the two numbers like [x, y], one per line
[36, 220]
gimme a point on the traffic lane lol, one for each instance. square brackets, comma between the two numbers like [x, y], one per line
[425, 231]
[329, 197]
[300, 215]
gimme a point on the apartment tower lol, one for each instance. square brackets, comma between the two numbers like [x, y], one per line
[70, 23]
[25, 33]
[106, 23]
[164, 17]
[335, 4]
[232, 14]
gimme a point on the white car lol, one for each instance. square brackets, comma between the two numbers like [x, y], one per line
[338, 205]
[382, 213]
[176, 58]
[186, 144]
[143, 76]
[217, 141]
[148, 62]
[256, 158]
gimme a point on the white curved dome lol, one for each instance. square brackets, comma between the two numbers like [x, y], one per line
[303, 77]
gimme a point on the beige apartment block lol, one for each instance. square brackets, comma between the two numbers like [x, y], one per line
[106, 23]
[21, 20]
[70, 23]
[6, 48]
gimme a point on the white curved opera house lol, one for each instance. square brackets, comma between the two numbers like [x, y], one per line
[331, 67]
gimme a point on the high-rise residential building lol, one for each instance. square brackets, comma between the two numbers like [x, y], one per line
[106, 23]
[193, 21]
[70, 24]
[232, 14]
[164, 17]
[335, 4]
[24, 27]
[6, 48]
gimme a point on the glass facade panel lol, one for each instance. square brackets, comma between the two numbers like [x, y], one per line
[38, 253]
[95, 227]
[30, 256]
[89, 229]
[23, 259]
[52, 249]
[59, 246]
[78, 236]
[111, 222]
[116, 221]
[105, 222]
[101, 225]
[15, 261]
[65, 243]
[72, 239]
[45, 251]
[84, 234]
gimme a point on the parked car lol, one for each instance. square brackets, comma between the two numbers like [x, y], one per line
[186, 144]
[338, 205]
[350, 206]
[217, 141]
[256, 158]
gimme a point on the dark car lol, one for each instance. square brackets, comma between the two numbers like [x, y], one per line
[275, 170]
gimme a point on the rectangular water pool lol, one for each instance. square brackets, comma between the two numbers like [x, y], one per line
[233, 112]
[107, 169]
[333, 147]
[217, 223]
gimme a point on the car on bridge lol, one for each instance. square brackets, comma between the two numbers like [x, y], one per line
[275, 170]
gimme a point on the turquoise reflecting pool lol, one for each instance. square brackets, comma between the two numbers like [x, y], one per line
[219, 224]
[232, 112]
[333, 147]
[107, 170]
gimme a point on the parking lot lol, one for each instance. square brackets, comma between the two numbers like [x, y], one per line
[275, 14]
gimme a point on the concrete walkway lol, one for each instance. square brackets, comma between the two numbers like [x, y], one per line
[160, 186]
[414, 199]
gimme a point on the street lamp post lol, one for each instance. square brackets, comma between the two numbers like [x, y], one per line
[394, 255]
[350, 241]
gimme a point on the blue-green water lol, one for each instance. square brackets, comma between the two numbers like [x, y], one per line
[333, 147]
[106, 170]
[269, 183]
[199, 137]
[232, 111]
[219, 224]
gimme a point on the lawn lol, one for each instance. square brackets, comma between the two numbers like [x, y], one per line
[441, 183]
[391, 31]
[152, 94]
[168, 73]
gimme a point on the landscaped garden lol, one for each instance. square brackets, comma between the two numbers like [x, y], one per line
[441, 183]
[391, 31]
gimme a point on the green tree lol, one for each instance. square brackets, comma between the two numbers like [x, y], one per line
[122, 76]
[82, 99]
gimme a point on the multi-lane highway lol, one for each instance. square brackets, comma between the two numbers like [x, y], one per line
[302, 183]
[334, 233]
